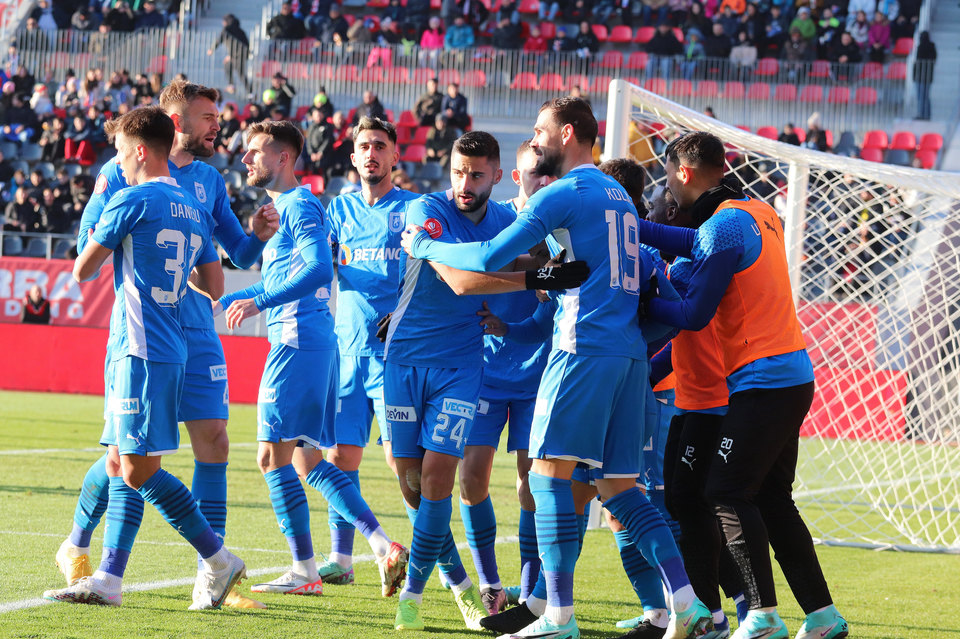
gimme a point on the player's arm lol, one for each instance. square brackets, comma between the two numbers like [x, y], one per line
[207, 276]
[473, 283]
[674, 240]
[472, 256]
[109, 181]
[243, 249]
[88, 263]
[708, 282]
[112, 225]
[656, 333]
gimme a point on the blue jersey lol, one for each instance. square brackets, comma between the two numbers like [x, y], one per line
[207, 186]
[158, 233]
[593, 218]
[432, 326]
[368, 255]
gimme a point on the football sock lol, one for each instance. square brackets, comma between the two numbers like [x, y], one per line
[91, 504]
[341, 530]
[529, 556]
[124, 514]
[341, 493]
[480, 524]
[293, 513]
[430, 528]
[582, 521]
[178, 507]
[557, 538]
[209, 488]
[448, 562]
[643, 577]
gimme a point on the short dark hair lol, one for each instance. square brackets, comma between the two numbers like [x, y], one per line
[150, 126]
[578, 114]
[697, 149]
[179, 93]
[368, 123]
[524, 147]
[478, 144]
[283, 132]
[631, 176]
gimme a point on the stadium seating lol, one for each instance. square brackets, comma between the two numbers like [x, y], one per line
[611, 60]
[769, 132]
[644, 35]
[758, 91]
[734, 90]
[927, 159]
[865, 96]
[876, 139]
[415, 153]
[12, 245]
[525, 80]
[902, 47]
[315, 182]
[637, 60]
[811, 93]
[767, 67]
[552, 82]
[706, 89]
[785, 93]
[871, 154]
[903, 140]
[620, 34]
[930, 142]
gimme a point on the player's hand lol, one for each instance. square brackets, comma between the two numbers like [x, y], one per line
[492, 324]
[265, 222]
[409, 234]
[239, 311]
[217, 307]
[383, 326]
[557, 274]
[643, 306]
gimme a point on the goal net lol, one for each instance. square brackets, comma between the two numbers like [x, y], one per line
[874, 254]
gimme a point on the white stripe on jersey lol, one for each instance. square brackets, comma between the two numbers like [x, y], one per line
[290, 329]
[570, 304]
[410, 279]
[136, 335]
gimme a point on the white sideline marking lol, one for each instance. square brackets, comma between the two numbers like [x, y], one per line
[49, 451]
[886, 483]
[20, 533]
[24, 604]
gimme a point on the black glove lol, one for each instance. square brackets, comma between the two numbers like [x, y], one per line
[557, 278]
[383, 326]
[643, 306]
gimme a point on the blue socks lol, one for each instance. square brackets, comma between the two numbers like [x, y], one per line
[291, 509]
[448, 561]
[341, 530]
[343, 496]
[124, 514]
[558, 540]
[430, 529]
[91, 504]
[178, 507]
[209, 488]
[644, 579]
[481, 527]
[529, 557]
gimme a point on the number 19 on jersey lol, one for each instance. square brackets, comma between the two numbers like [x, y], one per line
[623, 243]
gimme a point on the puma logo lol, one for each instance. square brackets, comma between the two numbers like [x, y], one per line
[688, 462]
[724, 454]
[770, 226]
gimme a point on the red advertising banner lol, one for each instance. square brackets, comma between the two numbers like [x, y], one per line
[71, 304]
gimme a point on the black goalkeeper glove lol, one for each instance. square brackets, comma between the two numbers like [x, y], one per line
[383, 326]
[557, 275]
[643, 306]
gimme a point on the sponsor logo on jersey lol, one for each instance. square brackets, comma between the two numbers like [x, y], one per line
[267, 395]
[346, 255]
[201, 192]
[101, 185]
[433, 227]
[379, 254]
[401, 413]
[218, 373]
[126, 406]
[459, 408]
[396, 221]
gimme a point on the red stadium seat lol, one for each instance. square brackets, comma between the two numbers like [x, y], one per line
[902, 47]
[611, 60]
[447, 76]
[421, 75]
[801, 134]
[601, 84]
[838, 95]
[475, 78]
[420, 134]
[577, 80]
[904, 140]
[548, 30]
[897, 71]
[733, 91]
[601, 128]
[637, 60]
[811, 93]
[350, 18]
[376, 23]
[819, 69]
[681, 88]
[829, 135]
[871, 155]
[865, 96]
[159, 65]
[270, 67]
[397, 75]
[552, 82]
[767, 67]
[371, 75]
[875, 139]
[678, 32]
[759, 91]
[529, 6]
[416, 153]
[744, 127]
[391, 117]
[644, 35]
[656, 85]
[315, 182]
[931, 142]
[302, 111]
[525, 81]
[403, 135]
[769, 132]
[621, 34]
[600, 30]
[346, 73]
[928, 159]
[320, 72]
[408, 119]
[872, 71]
[436, 5]
[352, 112]
[706, 89]
[785, 93]
[378, 4]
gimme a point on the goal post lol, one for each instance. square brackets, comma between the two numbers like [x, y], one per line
[874, 256]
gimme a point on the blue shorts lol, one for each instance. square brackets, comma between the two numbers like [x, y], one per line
[361, 398]
[143, 407]
[588, 410]
[107, 381]
[496, 407]
[298, 397]
[429, 408]
[660, 411]
[205, 392]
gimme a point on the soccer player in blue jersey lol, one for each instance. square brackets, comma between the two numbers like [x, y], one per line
[597, 337]
[434, 360]
[298, 390]
[511, 374]
[204, 402]
[365, 232]
[157, 232]
[740, 276]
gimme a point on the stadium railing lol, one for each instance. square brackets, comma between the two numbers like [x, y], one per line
[39, 245]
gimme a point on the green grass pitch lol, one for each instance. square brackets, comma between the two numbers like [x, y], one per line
[47, 442]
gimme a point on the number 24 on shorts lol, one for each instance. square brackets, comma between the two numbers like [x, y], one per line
[443, 425]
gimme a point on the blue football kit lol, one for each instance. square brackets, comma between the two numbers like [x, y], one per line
[366, 241]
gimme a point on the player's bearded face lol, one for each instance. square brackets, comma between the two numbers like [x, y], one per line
[260, 160]
[472, 180]
[199, 128]
[374, 156]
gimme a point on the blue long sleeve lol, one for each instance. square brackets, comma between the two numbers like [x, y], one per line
[707, 285]
[536, 329]
[243, 294]
[661, 365]
[656, 333]
[477, 256]
[317, 273]
[674, 240]
[242, 249]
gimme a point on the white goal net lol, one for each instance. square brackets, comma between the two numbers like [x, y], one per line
[874, 254]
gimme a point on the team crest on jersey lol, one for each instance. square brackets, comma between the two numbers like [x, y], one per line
[201, 192]
[101, 185]
[346, 255]
[433, 228]
[396, 221]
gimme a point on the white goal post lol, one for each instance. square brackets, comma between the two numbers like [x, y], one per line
[874, 254]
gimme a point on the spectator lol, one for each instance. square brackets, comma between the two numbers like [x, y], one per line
[43, 14]
[752, 22]
[901, 28]
[729, 20]
[322, 101]
[81, 20]
[20, 123]
[923, 74]
[736, 6]
[846, 51]
[91, 91]
[744, 53]
[805, 25]
[150, 18]
[117, 91]
[418, 16]
[284, 92]
[577, 11]
[788, 135]
[602, 10]
[79, 142]
[22, 214]
[586, 41]
[81, 189]
[507, 36]
[314, 20]
[335, 24]
[286, 26]
[664, 42]
[32, 37]
[400, 179]
[828, 30]
[508, 9]
[867, 7]
[237, 47]
[474, 12]
[319, 140]
[797, 49]
[242, 205]
[52, 214]
[432, 39]
[120, 18]
[717, 44]
[360, 32]
[459, 35]
[23, 80]
[649, 7]
[576, 92]
[228, 140]
[67, 95]
[693, 53]
[36, 185]
[774, 35]
[440, 141]
[352, 184]
[454, 107]
[860, 30]
[36, 310]
[816, 137]
[536, 43]
[696, 19]
[428, 104]
[370, 107]
[6, 171]
[389, 33]
[338, 161]
[40, 102]
[395, 11]
[561, 43]
[878, 39]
